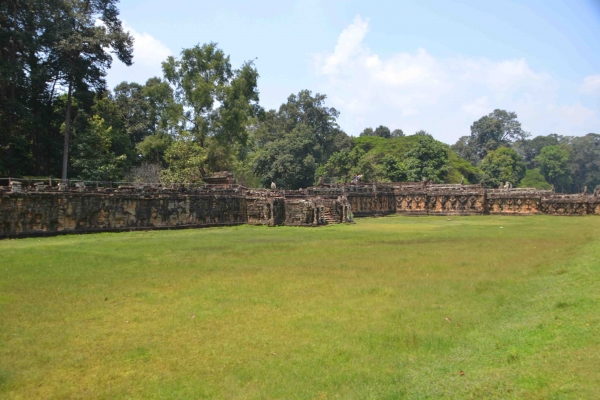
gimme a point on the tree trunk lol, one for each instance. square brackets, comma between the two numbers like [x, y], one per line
[67, 131]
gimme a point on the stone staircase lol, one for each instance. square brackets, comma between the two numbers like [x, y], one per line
[328, 216]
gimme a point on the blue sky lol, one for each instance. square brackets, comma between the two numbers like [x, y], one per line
[436, 65]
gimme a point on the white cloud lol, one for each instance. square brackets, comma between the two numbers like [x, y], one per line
[416, 90]
[148, 51]
[478, 107]
[348, 45]
[574, 115]
[148, 54]
[591, 85]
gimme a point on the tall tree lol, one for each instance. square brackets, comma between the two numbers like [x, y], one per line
[27, 33]
[428, 159]
[383, 131]
[146, 116]
[502, 165]
[585, 162]
[465, 150]
[529, 149]
[497, 129]
[308, 110]
[185, 159]
[87, 31]
[164, 120]
[397, 133]
[93, 156]
[554, 165]
[290, 162]
[367, 132]
[216, 100]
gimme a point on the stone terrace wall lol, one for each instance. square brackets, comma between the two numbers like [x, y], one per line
[265, 208]
[371, 200]
[455, 200]
[569, 205]
[46, 210]
[418, 198]
[515, 201]
[593, 205]
[411, 199]
[39, 213]
[301, 212]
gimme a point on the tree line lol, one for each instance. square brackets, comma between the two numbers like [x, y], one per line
[503, 152]
[58, 118]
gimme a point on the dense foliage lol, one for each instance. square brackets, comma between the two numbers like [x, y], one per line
[570, 164]
[203, 115]
[53, 54]
[501, 166]
[534, 179]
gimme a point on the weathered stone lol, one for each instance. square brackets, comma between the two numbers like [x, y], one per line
[16, 187]
[25, 212]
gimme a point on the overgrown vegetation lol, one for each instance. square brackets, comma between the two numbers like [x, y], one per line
[391, 307]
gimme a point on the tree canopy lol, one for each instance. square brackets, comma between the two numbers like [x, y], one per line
[407, 158]
[534, 179]
[497, 129]
[203, 115]
[501, 166]
[554, 166]
[382, 131]
[296, 139]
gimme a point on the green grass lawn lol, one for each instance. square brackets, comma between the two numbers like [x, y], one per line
[386, 308]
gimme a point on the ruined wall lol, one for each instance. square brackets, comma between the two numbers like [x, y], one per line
[301, 212]
[48, 210]
[53, 213]
[515, 202]
[455, 200]
[594, 205]
[332, 204]
[419, 198]
[371, 200]
[569, 205]
[265, 208]
[411, 199]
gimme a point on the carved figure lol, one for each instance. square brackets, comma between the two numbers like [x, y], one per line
[585, 190]
[321, 181]
[273, 186]
[462, 181]
[597, 191]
